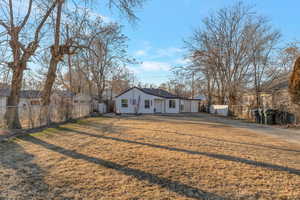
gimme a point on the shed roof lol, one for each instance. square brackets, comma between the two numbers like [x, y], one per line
[29, 94]
[5, 92]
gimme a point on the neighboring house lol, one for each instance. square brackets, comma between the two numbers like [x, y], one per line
[200, 97]
[64, 105]
[274, 95]
[149, 100]
[108, 99]
[31, 97]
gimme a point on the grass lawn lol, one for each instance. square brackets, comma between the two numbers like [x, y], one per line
[149, 157]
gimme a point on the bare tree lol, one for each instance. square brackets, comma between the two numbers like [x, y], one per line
[58, 50]
[287, 56]
[263, 44]
[70, 45]
[108, 51]
[225, 49]
[22, 45]
[121, 79]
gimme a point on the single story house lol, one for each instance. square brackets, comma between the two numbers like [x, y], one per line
[28, 99]
[32, 98]
[274, 95]
[150, 100]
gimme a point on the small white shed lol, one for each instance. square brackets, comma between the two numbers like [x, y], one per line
[219, 110]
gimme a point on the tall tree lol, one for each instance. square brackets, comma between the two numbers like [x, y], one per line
[23, 44]
[108, 51]
[226, 47]
[58, 50]
[263, 45]
[69, 46]
[287, 56]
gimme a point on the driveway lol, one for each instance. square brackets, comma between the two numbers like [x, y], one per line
[291, 135]
[150, 157]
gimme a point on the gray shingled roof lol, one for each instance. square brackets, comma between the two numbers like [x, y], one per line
[30, 94]
[64, 93]
[154, 92]
[5, 92]
[159, 92]
[24, 93]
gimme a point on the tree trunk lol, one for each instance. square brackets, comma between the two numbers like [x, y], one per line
[55, 58]
[46, 95]
[100, 94]
[12, 112]
[233, 101]
[232, 98]
[258, 99]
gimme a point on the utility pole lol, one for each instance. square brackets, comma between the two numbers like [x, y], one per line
[193, 80]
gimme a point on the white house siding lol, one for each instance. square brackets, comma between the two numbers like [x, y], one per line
[194, 106]
[134, 95]
[219, 110]
[157, 104]
[2, 107]
[185, 106]
[23, 104]
[173, 110]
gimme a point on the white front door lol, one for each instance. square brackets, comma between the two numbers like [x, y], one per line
[158, 105]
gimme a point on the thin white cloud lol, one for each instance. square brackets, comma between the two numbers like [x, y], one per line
[168, 52]
[150, 53]
[151, 66]
[134, 69]
[140, 53]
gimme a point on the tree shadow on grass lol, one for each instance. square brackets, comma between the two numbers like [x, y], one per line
[211, 155]
[174, 186]
[25, 179]
[221, 122]
[227, 141]
[94, 125]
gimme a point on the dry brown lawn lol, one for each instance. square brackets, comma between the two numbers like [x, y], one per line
[149, 157]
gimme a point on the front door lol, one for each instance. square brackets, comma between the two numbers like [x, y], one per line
[158, 105]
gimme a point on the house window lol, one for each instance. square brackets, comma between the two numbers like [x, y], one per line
[124, 103]
[147, 104]
[172, 104]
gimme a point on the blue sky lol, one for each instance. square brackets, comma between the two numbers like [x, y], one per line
[157, 39]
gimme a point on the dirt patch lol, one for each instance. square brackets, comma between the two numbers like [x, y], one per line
[149, 157]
